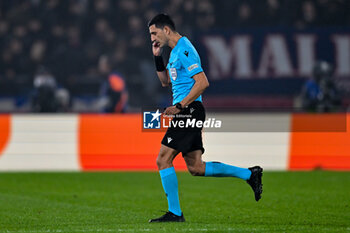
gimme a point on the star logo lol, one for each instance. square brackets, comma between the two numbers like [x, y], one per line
[151, 120]
[169, 139]
[155, 115]
[186, 53]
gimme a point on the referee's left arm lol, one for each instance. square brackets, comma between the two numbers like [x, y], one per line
[201, 83]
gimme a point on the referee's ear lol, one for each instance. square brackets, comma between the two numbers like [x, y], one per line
[167, 30]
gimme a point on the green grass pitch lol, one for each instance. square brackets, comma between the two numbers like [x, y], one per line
[317, 201]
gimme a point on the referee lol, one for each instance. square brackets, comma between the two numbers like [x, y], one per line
[188, 81]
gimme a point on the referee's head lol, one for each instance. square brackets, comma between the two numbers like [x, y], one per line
[161, 27]
[161, 21]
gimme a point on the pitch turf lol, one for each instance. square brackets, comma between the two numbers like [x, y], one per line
[123, 202]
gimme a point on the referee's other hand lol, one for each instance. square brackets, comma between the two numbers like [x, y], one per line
[172, 110]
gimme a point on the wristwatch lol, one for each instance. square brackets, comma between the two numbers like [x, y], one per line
[179, 106]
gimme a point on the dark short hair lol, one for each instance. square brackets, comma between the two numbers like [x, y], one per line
[162, 20]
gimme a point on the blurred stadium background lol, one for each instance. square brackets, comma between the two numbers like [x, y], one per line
[257, 54]
[76, 74]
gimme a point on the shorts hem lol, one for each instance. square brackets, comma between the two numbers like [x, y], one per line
[172, 147]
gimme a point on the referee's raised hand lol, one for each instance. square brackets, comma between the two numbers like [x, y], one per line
[156, 49]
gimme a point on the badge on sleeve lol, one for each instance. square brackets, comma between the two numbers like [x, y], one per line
[192, 67]
[173, 73]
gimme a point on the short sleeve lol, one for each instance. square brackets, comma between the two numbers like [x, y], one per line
[190, 61]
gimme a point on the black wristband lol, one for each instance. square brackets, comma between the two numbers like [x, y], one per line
[158, 60]
[179, 106]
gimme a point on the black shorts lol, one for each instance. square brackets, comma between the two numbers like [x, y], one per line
[188, 138]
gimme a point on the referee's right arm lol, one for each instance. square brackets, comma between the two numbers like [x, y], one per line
[160, 67]
[163, 76]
